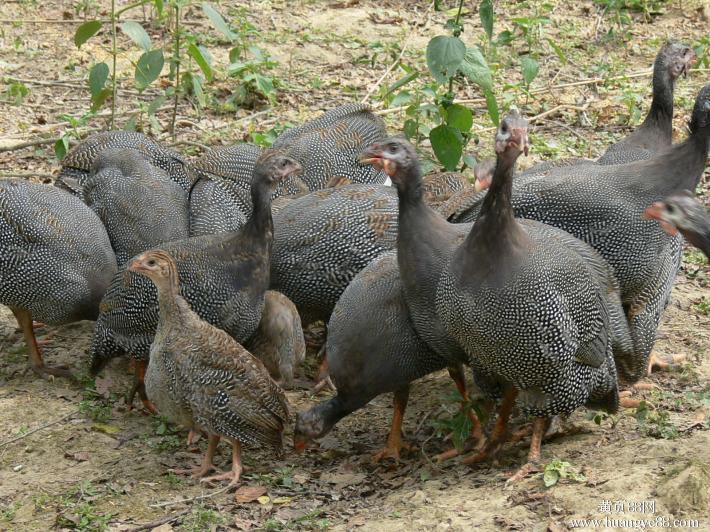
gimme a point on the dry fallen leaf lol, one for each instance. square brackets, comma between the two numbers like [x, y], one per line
[343, 479]
[249, 493]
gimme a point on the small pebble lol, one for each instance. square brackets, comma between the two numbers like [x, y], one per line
[17, 468]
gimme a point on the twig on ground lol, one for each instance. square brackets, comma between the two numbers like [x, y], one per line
[27, 144]
[162, 521]
[27, 174]
[192, 499]
[55, 422]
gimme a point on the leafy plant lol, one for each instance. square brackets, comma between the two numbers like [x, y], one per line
[655, 423]
[703, 307]
[457, 422]
[557, 470]
[16, 92]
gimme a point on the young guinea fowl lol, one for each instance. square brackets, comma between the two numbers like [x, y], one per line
[372, 348]
[604, 205]
[76, 166]
[138, 203]
[328, 147]
[278, 341]
[201, 378]
[535, 309]
[220, 201]
[682, 212]
[223, 276]
[656, 131]
[56, 260]
[440, 187]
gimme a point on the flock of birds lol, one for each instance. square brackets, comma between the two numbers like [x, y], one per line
[548, 284]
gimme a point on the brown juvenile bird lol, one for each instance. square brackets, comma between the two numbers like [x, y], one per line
[200, 377]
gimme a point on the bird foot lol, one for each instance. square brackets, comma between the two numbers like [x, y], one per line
[323, 383]
[627, 401]
[665, 362]
[232, 475]
[490, 450]
[393, 451]
[530, 467]
[49, 372]
[194, 472]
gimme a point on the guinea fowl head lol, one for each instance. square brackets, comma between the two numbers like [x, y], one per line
[396, 157]
[678, 211]
[512, 136]
[701, 111]
[676, 58]
[483, 172]
[310, 425]
[273, 166]
[158, 266]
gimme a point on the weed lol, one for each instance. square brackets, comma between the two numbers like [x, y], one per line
[202, 518]
[655, 423]
[7, 514]
[16, 92]
[703, 307]
[457, 422]
[557, 470]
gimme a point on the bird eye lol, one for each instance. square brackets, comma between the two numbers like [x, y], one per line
[670, 208]
[151, 262]
[393, 148]
[504, 127]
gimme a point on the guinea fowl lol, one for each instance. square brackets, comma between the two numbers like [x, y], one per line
[682, 212]
[76, 166]
[278, 341]
[56, 260]
[531, 305]
[223, 276]
[656, 131]
[372, 348]
[604, 205]
[201, 378]
[440, 187]
[138, 203]
[328, 147]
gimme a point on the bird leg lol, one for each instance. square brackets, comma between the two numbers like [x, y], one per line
[24, 320]
[539, 427]
[457, 375]
[499, 432]
[395, 444]
[139, 387]
[664, 362]
[323, 373]
[206, 466]
[237, 468]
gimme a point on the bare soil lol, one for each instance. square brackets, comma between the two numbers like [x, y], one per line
[75, 459]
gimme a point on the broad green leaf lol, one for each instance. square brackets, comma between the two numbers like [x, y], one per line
[218, 22]
[402, 98]
[475, 68]
[86, 31]
[550, 477]
[148, 68]
[443, 56]
[485, 11]
[137, 34]
[469, 160]
[97, 78]
[492, 106]
[98, 100]
[203, 60]
[61, 147]
[156, 104]
[410, 128]
[459, 117]
[530, 68]
[159, 6]
[447, 145]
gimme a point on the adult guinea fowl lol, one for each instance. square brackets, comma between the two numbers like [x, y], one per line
[76, 166]
[372, 348]
[220, 201]
[56, 260]
[201, 378]
[328, 147]
[604, 205]
[531, 305]
[223, 276]
[138, 203]
[682, 212]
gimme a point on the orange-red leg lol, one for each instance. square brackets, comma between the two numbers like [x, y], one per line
[499, 432]
[237, 468]
[323, 373]
[24, 320]
[395, 443]
[206, 466]
[139, 387]
[539, 427]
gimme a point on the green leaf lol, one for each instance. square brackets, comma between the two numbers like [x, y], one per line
[485, 11]
[401, 82]
[558, 50]
[156, 104]
[198, 91]
[402, 98]
[492, 106]
[137, 34]
[443, 56]
[475, 68]
[469, 160]
[97, 78]
[61, 147]
[98, 100]
[410, 128]
[218, 22]
[148, 68]
[202, 59]
[86, 31]
[447, 145]
[550, 477]
[159, 6]
[530, 68]
[459, 117]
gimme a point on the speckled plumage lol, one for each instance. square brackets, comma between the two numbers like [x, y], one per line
[138, 203]
[76, 166]
[278, 341]
[683, 212]
[603, 206]
[440, 187]
[223, 276]
[55, 256]
[328, 147]
[322, 240]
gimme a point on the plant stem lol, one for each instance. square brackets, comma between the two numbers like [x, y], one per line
[458, 13]
[176, 58]
[114, 53]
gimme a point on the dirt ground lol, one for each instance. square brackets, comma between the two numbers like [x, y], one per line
[74, 457]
